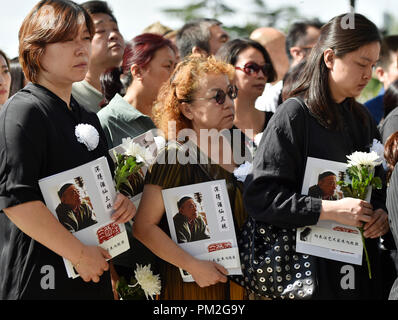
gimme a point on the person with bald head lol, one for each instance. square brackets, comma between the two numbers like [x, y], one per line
[274, 41]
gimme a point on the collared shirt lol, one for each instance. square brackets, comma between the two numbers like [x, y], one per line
[120, 120]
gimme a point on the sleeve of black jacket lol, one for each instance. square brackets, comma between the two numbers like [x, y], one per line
[273, 190]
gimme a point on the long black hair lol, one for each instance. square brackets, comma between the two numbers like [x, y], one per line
[313, 84]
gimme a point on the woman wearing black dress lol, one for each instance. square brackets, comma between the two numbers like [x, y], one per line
[38, 140]
[339, 67]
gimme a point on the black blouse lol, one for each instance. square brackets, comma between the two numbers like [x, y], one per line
[37, 139]
[273, 191]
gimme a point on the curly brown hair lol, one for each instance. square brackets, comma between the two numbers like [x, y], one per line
[391, 153]
[181, 88]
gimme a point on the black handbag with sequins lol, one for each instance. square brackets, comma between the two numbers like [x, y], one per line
[270, 264]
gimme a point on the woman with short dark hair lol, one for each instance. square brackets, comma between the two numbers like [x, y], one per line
[37, 130]
[332, 125]
[253, 70]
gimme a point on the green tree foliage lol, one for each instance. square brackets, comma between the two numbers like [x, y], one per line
[258, 13]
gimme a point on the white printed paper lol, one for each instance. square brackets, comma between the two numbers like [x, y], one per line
[214, 238]
[328, 239]
[90, 221]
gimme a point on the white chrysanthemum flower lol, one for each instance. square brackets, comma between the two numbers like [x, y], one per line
[243, 170]
[135, 150]
[370, 159]
[149, 282]
[87, 135]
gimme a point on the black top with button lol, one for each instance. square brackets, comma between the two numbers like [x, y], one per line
[273, 191]
[37, 140]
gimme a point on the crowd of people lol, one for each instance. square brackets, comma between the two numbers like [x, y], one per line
[75, 67]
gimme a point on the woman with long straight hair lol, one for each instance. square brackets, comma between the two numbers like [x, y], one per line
[332, 125]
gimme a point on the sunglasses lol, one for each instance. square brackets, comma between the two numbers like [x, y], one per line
[220, 96]
[251, 68]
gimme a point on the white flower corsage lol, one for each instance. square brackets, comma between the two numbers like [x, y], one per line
[135, 150]
[243, 170]
[87, 135]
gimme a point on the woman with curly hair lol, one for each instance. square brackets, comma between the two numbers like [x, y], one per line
[197, 99]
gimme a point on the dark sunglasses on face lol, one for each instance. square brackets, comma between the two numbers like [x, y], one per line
[251, 68]
[221, 95]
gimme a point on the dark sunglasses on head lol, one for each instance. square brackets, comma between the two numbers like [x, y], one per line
[220, 96]
[251, 68]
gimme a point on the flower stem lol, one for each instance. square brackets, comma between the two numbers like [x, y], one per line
[366, 254]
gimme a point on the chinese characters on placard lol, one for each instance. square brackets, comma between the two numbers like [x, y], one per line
[223, 223]
[104, 190]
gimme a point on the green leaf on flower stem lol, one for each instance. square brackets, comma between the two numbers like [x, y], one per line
[125, 167]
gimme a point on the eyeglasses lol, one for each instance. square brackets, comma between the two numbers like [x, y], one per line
[251, 68]
[221, 95]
